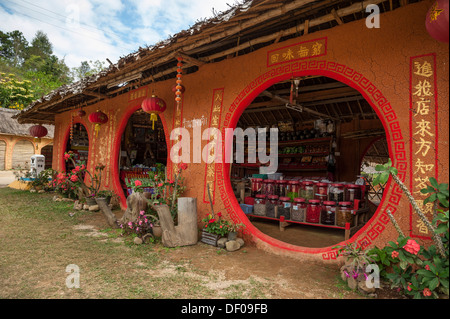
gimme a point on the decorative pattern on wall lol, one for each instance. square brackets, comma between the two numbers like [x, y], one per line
[369, 233]
[423, 125]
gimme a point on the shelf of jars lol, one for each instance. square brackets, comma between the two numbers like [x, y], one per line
[319, 204]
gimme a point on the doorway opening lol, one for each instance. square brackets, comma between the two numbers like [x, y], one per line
[318, 197]
[142, 150]
[78, 144]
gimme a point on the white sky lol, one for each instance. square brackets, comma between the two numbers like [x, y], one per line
[98, 29]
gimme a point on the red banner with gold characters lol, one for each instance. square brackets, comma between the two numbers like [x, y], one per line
[177, 123]
[210, 169]
[423, 136]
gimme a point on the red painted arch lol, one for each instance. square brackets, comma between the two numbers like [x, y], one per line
[376, 225]
[116, 149]
[63, 146]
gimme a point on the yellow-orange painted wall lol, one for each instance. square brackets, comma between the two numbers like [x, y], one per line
[376, 61]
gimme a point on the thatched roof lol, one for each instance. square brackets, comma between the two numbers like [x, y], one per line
[10, 126]
[245, 27]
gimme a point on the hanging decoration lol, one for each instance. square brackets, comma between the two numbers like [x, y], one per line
[98, 118]
[179, 88]
[71, 128]
[81, 113]
[37, 131]
[154, 106]
[437, 23]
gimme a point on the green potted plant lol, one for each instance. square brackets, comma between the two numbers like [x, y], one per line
[214, 229]
[106, 194]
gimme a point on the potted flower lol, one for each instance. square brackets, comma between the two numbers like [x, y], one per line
[214, 229]
[234, 229]
[106, 194]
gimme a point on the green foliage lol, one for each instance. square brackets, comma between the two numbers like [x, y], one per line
[438, 192]
[27, 72]
[217, 225]
[385, 171]
[418, 271]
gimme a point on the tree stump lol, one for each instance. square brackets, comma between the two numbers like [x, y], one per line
[186, 232]
[136, 203]
[110, 217]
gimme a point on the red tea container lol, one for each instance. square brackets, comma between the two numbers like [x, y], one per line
[313, 211]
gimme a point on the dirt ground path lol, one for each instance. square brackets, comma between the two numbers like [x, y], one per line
[278, 277]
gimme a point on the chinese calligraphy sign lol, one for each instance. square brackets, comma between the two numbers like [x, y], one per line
[210, 169]
[423, 135]
[298, 51]
[137, 94]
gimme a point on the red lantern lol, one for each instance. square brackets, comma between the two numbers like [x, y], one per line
[38, 131]
[81, 113]
[437, 21]
[154, 106]
[98, 118]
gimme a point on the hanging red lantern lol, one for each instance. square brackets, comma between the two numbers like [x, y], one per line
[98, 118]
[437, 21]
[81, 113]
[38, 131]
[154, 106]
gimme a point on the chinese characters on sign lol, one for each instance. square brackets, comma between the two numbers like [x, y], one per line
[210, 169]
[423, 133]
[177, 123]
[137, 94]
[299, 51]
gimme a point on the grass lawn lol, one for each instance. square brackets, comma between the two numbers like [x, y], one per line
[39, 239]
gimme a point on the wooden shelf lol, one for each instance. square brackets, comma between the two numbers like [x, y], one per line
[304, 154]
[309, 141]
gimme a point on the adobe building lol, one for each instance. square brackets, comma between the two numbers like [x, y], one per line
[17, 145]
[334, 78]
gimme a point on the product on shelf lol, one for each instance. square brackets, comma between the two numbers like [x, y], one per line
[328, 214]
[272, 201]
[284, 207]
[336, 193]
[344, 214]
[313, 211]
[298, 210]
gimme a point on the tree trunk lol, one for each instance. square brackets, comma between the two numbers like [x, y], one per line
[110, 217]
[136, 203]
[186, 232]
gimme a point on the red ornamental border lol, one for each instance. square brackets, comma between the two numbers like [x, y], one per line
[396, 143]
[436, 144]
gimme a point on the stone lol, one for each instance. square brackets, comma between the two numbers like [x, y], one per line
[138, 241]
[240, 241]
[221, 242]
[77, 205]
[55, 198]
[232, 245]
[41, 191]
[94, 208]
[32, 191]
[65, 199]
[86, 207]
[362, 287]
[352, 283]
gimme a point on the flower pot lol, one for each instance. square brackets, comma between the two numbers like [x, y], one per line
[232, 235]
[157, 230]
[210, 239]
[90, 201]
